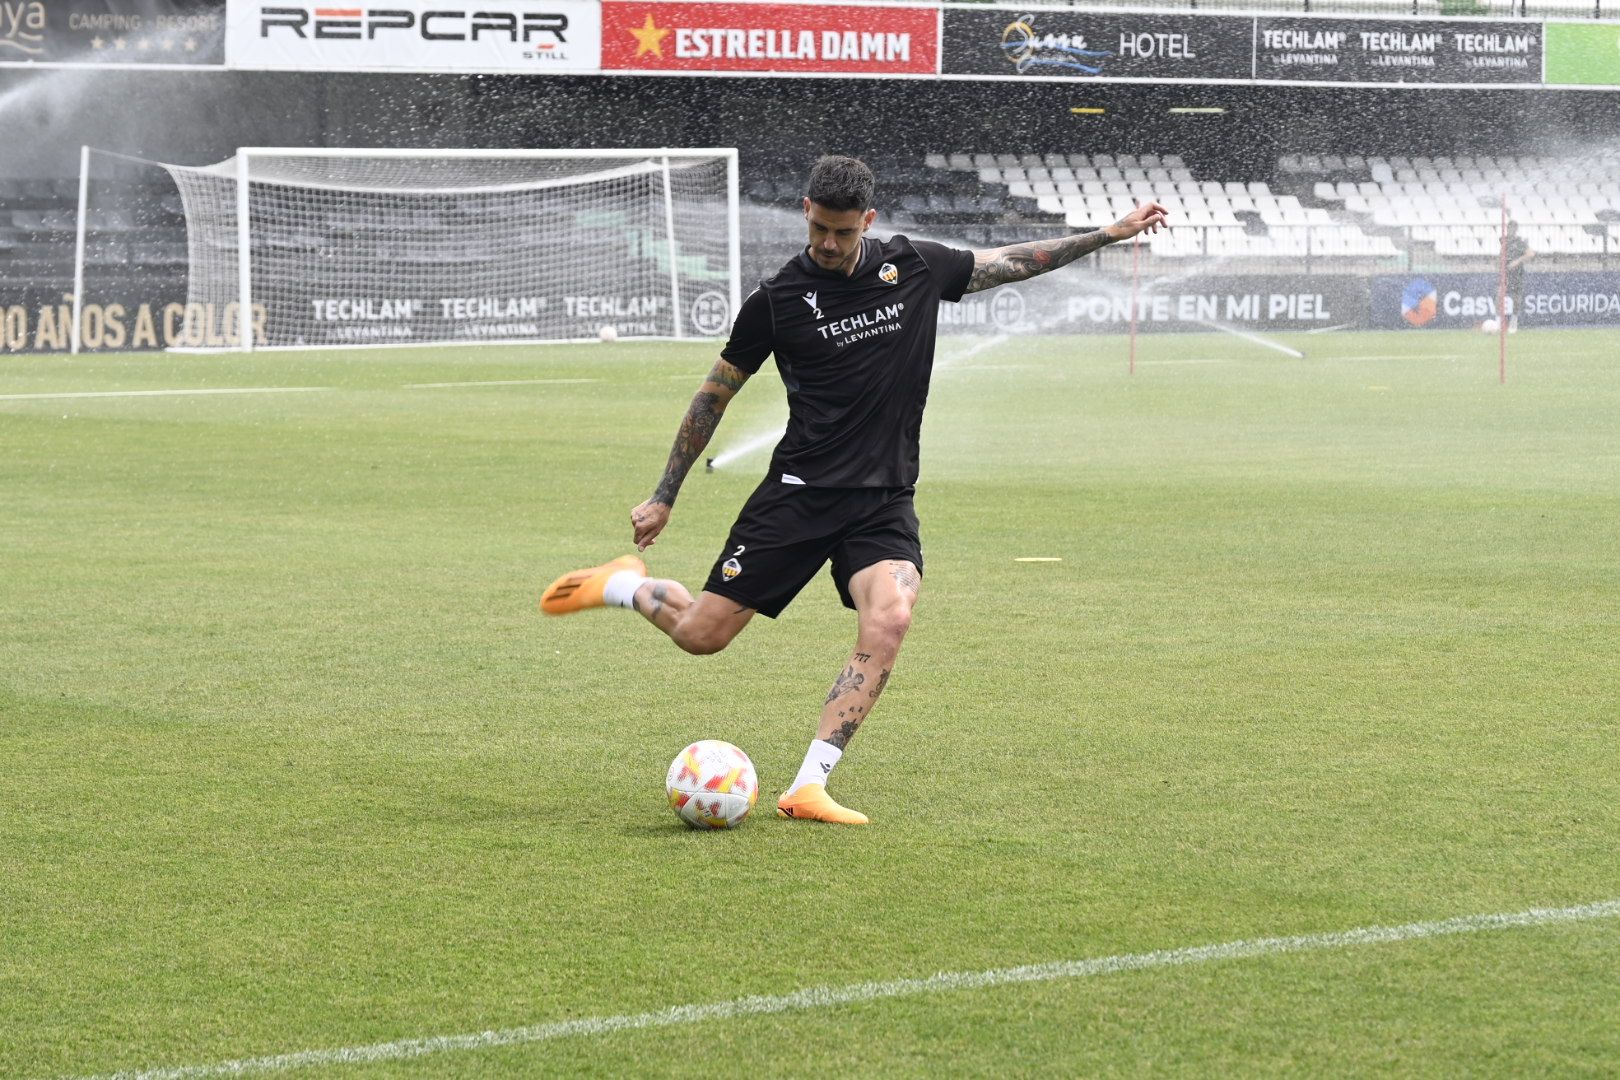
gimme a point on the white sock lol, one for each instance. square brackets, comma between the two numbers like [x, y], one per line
[620, 590]
[818, 764]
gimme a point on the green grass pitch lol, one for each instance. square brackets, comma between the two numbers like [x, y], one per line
[289, 761]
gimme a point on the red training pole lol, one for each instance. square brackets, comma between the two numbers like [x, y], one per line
[1136, 285]
[1501, 302]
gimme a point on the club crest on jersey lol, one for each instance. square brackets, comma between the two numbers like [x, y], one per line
[810, 298]
[888, 273]
[730, 569]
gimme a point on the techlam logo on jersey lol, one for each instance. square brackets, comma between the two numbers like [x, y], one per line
[844, 38]
[416, 35]
[874, 323]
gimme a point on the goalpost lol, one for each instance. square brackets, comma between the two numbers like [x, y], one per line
[345, 247]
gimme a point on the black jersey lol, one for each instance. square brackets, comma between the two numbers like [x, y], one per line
[855, 353]
[1516, 247]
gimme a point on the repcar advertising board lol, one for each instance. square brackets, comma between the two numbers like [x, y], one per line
[415, 35]
[1397, 50]
[1464, 301]
[95, 32]
[1068, 43]
[844, 39]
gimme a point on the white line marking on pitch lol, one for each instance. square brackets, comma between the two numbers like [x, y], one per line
[169, 393]
[496, 382]
[832, 996]
[1351, 359]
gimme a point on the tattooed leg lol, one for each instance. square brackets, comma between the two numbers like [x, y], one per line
[884, 595]
[701, 626]
[662, 601]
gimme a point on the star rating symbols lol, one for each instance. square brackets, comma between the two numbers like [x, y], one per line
[650, 38]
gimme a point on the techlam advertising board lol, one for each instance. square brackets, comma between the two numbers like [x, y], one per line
[845, 39]
[1076, 44]
[1459, 52]
[112, 32]
[414, 35]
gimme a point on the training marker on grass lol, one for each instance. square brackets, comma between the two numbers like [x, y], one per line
[832, 996]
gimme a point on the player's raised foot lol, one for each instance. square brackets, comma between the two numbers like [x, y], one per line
[812, 803]
[583, 588]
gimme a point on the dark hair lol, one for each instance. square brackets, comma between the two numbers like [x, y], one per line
[841, 183]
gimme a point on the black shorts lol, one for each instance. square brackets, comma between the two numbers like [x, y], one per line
[785, 533]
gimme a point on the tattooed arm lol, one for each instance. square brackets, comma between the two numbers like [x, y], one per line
[697, 427]
[1015, 262]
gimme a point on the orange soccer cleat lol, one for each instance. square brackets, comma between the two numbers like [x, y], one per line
[812, 803]
[583, 588]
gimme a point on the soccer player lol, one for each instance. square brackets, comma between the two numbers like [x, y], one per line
[1518, 252]
[851, 320]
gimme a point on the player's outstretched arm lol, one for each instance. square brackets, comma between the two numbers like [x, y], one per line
[1016, 262]
[697, 428]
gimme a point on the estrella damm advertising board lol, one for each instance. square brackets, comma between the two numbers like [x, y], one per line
[845, 39]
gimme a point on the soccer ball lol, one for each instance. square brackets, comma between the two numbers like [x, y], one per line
[712, 785]
[609, 332]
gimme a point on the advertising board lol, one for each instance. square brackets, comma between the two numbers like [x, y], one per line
[1078, 301]
[1070, 43]
[94, 32]
[844, 39]
[1583, 54]
[1452, 51]
[1465, 301]
[415, 35]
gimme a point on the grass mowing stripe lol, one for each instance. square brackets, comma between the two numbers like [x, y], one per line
[496, 382]
[827, 997]
[169, 393]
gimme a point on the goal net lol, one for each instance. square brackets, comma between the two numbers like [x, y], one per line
[331, 247]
